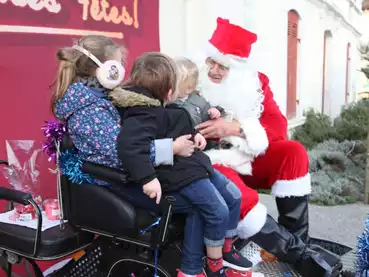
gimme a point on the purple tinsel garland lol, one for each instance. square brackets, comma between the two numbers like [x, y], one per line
[53, 132]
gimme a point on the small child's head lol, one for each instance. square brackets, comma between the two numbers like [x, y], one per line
[156, 72]
[188, 76]
[73, 64]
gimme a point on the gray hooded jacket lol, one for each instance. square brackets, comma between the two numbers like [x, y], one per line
[197, 107]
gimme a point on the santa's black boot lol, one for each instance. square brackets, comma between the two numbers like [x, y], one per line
[294, 215]
[289, 248]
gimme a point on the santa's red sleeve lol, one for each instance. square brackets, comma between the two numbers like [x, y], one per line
[272, 119]
[257, 133]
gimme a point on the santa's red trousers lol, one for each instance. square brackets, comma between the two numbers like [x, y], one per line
[283, 168]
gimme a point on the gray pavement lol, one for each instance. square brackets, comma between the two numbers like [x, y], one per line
[336, 223]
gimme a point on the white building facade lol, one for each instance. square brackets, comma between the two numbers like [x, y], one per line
[307, 48]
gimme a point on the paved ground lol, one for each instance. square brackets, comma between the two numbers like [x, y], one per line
[339, 223]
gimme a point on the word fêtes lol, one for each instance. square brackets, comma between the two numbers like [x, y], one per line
[97, 10]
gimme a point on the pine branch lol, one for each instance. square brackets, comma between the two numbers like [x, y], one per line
[366, 72]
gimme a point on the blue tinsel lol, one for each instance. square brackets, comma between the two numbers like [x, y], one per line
[71, 166]
[362, 252]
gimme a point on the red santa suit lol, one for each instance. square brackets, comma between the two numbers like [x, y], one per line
[262, 156]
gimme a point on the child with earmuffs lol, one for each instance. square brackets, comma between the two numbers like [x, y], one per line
[88, 72]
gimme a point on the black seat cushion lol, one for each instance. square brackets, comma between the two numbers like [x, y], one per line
[96, 208]
[55, 242]
[99, 210]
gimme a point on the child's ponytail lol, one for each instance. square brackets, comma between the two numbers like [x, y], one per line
[66, 73]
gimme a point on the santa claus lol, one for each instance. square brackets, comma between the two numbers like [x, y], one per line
[258, 153]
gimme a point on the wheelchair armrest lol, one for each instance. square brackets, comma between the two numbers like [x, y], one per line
[15, 196]
[104, 173]
[24, 199]
[2, 162]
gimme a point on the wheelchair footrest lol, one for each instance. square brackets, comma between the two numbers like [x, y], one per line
[277, 268]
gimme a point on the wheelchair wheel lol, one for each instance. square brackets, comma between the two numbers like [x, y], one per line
[135, 268]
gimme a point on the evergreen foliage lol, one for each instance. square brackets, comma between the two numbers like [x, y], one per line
[337, 151]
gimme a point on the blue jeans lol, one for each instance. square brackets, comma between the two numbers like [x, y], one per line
[217, 201]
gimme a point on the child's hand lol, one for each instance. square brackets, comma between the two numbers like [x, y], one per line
[214, 113]
[153, 190]
[200, 141]
[183, 146]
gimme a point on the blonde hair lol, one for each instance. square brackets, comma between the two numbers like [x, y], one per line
[74, 64]
[156, 72]
[188, 74]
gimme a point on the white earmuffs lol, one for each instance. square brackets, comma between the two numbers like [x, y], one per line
[109, 74]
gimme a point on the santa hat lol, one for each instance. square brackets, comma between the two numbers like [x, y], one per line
[230, 42]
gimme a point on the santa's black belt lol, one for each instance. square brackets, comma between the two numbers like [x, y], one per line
[218, 145]
[225, 145]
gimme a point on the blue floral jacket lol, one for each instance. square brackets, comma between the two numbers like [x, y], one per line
[92, 122]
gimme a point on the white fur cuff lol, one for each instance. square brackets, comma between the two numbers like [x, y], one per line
[252, 223]
[256, 141]
[232, 158]
[297, 187]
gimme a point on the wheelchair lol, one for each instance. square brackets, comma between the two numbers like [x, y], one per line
[115, 239]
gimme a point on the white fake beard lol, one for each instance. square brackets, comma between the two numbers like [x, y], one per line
[238, 94]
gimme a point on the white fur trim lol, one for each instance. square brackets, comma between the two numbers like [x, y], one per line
[256, 141]
[297, 187]
[252, 223]
[227, 60]
[232, 158]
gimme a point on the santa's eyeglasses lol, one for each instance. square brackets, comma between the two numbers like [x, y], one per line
[211, 63]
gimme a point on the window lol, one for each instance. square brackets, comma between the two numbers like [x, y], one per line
[348, 61]
[292, 56]
[327, 67]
